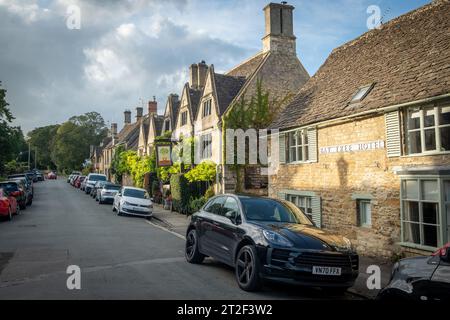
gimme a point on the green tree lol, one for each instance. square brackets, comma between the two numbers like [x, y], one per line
[12, 141]
[70, 147]
[42, 140]
[254, 113]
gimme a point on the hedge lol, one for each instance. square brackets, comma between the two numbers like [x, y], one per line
[179, 187]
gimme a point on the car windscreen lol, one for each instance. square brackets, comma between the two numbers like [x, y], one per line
[133, 193]
[258, 209]
[97, 177]
[9, 187]
[100, 184]
[111, 187]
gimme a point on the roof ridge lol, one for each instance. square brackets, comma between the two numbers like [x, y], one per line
[390, 24]
[245, 61]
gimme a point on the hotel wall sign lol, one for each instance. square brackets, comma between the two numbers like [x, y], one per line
[354, 147]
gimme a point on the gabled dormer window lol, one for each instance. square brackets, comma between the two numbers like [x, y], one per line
[207, 108]
[361, 93]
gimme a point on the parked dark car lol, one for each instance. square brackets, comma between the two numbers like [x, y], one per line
[28, 186]
[269, 239]
[32, 176]
[40, 176]
[16, 189]
[420, 278]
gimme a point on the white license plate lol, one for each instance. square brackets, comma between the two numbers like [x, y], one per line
[327, 271]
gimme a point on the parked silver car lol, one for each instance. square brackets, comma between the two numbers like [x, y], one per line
[107, 192]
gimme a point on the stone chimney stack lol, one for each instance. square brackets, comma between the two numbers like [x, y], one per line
[174, 97]
[153, 107]
[193, 71]
[127, 117]
[113, 129]
[139, 113]
[279, 32]
[202, 72]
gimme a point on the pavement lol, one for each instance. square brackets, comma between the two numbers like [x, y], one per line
[118, 257]
[178, 223]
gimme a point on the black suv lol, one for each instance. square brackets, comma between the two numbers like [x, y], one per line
[420, 278]
[270, 239]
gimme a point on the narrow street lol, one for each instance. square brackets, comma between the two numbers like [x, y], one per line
[119, 257]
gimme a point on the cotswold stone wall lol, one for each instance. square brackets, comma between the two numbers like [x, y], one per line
[335, 177]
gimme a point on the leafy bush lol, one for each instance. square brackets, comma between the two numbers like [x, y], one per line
[180, 193]
[196, 204]
[205, 171]
[15, 167]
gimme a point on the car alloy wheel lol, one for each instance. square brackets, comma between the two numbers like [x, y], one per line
[247, 269]
[191, 250]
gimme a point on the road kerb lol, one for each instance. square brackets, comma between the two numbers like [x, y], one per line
[166, 229]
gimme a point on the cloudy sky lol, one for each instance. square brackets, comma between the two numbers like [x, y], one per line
[127, 50]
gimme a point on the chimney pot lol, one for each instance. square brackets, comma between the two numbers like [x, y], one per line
[113, 129]
[193, 81]
[153, 107]
[279, 28]
[202, 72]
[127, 116]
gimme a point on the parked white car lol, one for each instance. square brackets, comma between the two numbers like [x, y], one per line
[107, 192]
[133, 201]
[90, 181]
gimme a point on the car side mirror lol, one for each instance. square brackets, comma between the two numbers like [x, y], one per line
[232, 215]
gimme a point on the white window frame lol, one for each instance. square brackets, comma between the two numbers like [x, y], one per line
[300, 143]
[207, 108]
[184, 116]
[206, 145]
[364, 217]
[436, 110]
[303, 202]
[443, 233]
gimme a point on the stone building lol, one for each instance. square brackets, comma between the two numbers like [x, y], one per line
[150, 127]
[128, 138]
[183, 126]
[364, 148]
[211, 95]
[171, 112]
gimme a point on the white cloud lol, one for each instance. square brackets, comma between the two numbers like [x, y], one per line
[104, 65]
[126, 30]
[28, 10]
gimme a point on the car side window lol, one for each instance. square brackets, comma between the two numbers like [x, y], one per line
[215, 206]
[230, 205]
